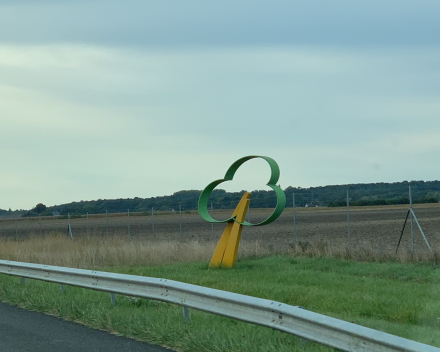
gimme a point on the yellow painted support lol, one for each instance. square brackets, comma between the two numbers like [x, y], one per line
[226, 251]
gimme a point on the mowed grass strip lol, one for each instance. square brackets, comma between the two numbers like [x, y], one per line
[401, 299]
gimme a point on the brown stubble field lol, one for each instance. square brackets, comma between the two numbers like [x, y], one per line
[373, 230]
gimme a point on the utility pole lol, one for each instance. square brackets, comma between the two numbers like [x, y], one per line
[295, 238]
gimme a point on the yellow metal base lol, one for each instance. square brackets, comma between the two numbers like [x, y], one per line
[225, 254]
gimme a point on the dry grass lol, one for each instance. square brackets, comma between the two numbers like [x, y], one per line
[119, 240]
[364, 253]
[101, 251]
[92, 252]
[374, 230]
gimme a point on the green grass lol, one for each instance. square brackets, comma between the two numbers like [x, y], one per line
[401, 299]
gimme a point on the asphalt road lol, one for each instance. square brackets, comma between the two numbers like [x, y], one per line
[25, 331]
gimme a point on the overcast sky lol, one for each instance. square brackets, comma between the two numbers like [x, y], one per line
[122, 99]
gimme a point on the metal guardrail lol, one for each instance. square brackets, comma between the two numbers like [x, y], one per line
[293, 320]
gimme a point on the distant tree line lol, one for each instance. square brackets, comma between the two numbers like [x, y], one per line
[5, 212]
[381, 202]
[359, 195]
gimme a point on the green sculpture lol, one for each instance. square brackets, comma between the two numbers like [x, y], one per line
[275, 175]
[227, 248]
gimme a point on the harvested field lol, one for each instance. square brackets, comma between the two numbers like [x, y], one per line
[373, 230]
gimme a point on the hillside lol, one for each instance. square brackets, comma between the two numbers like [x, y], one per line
[360, 194]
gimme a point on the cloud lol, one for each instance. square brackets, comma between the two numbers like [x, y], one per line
[87, 122]
[199, 23]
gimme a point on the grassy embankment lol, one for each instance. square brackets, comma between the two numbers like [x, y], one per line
[401, 299]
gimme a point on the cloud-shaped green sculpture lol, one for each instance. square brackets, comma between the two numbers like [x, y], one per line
[275, 175]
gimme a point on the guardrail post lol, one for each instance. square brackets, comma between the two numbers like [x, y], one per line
[113, 299]
[185, 314]
[62, 289]
[23, 280]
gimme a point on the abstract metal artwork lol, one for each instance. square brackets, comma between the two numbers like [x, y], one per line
[225, 254]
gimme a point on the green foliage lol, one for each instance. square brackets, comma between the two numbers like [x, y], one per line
[372, 202]
[39, 208]
[360, 195]
[367, 194]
